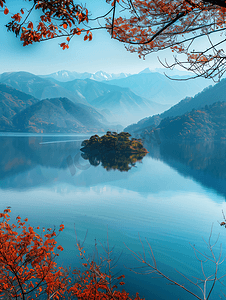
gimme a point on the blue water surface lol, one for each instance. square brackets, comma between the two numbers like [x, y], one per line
[169, 203]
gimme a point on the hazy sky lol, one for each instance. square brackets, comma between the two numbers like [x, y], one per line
[102, 53]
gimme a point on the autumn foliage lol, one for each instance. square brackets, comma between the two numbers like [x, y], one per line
[176, 25]
[28, 269]
[157, 25]
[145, 26]
[27, 261]
[58, 18]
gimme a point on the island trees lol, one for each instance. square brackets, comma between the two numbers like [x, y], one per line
[145, 26]
[115, 151]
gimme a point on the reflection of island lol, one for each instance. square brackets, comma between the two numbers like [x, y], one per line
[35, 161]
[114, 161]
[205, 162]
[115, 151]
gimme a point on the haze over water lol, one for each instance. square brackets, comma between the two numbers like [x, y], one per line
[172, 198]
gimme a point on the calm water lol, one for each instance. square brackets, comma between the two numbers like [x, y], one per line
[172, 198]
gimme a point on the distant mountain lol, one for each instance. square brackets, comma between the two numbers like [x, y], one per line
[24, 113]
[38, 87]
[99, 76]
[86, 91]
[118, 103]
[168, 72]
[59, 115]
[208, 96]
[208, 123]
[158, 88]
[87, 88]
[12, 102]
[125, 105]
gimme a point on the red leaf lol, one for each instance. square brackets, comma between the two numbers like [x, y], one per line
[30, 25]
[6, 11]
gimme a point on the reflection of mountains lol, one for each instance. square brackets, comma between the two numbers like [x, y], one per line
[44, 160]
[21, 154]
[204, 162]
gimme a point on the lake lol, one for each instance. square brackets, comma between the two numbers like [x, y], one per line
[172, 198]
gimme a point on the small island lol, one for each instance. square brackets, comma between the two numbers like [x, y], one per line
[113, 141]
[114, 150]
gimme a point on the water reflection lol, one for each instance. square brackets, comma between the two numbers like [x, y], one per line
[112, 160]
[205, 162]
[28, 156]
[27, 162]
[152, 199]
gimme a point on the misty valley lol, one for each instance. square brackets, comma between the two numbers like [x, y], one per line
[172, 195]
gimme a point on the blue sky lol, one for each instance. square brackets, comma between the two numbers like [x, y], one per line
[102, 53]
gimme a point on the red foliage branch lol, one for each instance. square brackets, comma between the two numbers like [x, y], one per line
[28, 269]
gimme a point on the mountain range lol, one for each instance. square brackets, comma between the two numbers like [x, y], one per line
[98, 76]
[102, 102]
[208, 96]
[128, 108]
[117, 103]
[158, 88]
[12, 102]
[59, 115]
[151, 85]
[38, 87]
[21, 112]
[207, 123]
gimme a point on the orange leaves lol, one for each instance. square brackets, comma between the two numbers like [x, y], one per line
[17, 17]
[76, 31]
[64, 13]
[94, 282]
[88, 36]
[113, 2]
[60, 248]
[122, 276]
[6, 11]
[156, 25]
[146, 26]
[32, 257]
[30, 25]
[81, 16]
[61, 227]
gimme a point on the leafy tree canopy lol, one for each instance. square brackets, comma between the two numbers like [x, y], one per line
[145, 26]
